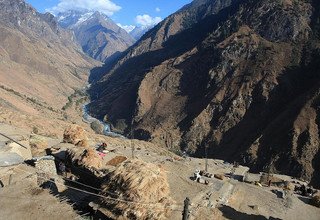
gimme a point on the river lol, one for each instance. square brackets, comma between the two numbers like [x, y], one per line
[89, 119]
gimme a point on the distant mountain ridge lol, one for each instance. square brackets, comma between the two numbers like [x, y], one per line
[138, 32]
[97, 34]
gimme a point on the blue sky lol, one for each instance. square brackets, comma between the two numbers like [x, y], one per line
[124, 12]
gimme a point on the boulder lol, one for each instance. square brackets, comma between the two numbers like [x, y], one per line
[251, 178]
[97, 126]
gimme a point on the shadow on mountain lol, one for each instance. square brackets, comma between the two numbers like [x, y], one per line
[116, 93]
[233, 214]
[98, 72]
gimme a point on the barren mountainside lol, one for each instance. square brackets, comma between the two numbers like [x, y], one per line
[237, 80]
[40, 64]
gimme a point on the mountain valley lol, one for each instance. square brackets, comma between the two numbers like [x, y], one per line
[213, 113]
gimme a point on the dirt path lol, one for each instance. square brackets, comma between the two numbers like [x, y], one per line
[23, 199]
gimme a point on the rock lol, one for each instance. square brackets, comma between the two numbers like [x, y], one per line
[205, 174]
[178, 158]
[74, 134]
[254, 207]
[169, 159]
[97, 126]
[10, 159]
[46, 171]
[201, 180]
[46, 166]
[219, 176]
[251, 178]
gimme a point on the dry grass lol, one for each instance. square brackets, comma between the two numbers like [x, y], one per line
[316, 200]
[38, 144]
[139, 182]
[74, 134]
[87, 157]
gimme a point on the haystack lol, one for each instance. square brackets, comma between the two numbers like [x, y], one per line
[144, 184]
[38, 144]
[87, 157]
[289, 186]
[316, 200]
[74, 134]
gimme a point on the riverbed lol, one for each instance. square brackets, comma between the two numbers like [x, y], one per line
[89, 119]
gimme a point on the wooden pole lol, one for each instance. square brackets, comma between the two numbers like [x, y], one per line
[10, 179]
[132, 144]
[13, 140]
[206, 167]
[185, 214]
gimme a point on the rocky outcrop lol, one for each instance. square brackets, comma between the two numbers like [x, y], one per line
[236, 80]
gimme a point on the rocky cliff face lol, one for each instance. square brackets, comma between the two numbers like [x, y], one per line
[238, 80]
[98, 35]
[40, 64]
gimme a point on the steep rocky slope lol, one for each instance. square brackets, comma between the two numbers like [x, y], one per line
[237, 80]
[40, 64]
[98, 35]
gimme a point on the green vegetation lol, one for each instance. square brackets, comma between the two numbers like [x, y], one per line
[78, 93]
[29, 99]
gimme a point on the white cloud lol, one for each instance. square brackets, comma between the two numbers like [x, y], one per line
[105, 6]
[127, 28]
[147, 20]
[158, 9]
